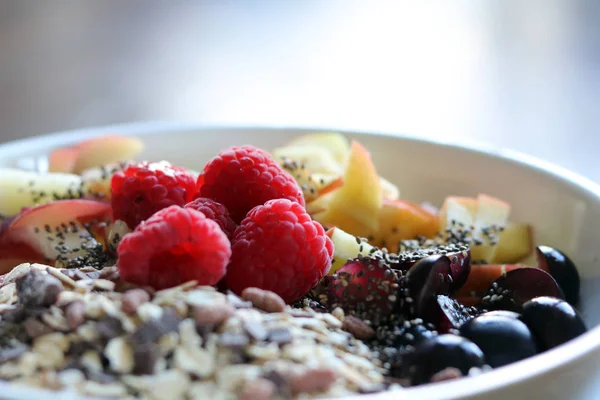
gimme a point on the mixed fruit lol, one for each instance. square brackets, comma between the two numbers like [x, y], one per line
[444, 292]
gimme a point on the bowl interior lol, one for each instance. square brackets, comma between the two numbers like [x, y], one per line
[564, 214]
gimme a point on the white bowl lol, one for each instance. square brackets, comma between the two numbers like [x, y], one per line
[564, 209]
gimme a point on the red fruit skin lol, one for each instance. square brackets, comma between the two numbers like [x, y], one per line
[364, 284]
[145, 188]
[278, 247]
[242, 178]
[174, 246]
[216, 212]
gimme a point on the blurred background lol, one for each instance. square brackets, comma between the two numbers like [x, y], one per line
[516, 74]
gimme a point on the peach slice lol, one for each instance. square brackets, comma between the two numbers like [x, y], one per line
[45, 232]
[27, 189]
[335, 143]
[105, 150]
[355, 206]
[515, 244]
[402, 220]
[63, 160]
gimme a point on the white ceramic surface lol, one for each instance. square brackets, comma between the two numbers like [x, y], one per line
[563, 207]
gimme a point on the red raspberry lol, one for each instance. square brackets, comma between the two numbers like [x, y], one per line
[215, 211]
[244, 177]
[278, 247]
[142, 189]
[174, 246]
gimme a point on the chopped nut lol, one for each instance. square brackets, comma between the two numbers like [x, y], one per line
[91, 360]
[110, 273]
[104, 389]
[259, 389]
[88, 332]
[313, 380]
[172, 384]
[55, 319]
[358, 328]
[103, 284]
[338, 313]
[232, 377]
[446, 375]
[75, 314]
[8, 293]
[188, 335]
[71, 377]
[35, 328]
[204, 298]
[213, 315]
[196, 361]
[168, 343]
[149, 311]
[133, 299]
[37, 289]
[120, 355]
[265, 300]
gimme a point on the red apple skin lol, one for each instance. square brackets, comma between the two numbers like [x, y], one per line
[20, 242]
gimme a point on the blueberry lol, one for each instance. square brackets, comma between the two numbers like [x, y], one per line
[553, 321]
[502, 339]
[440, 352]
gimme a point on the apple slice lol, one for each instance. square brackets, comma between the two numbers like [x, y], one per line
[402, 220]
[106, 150]
[355, 206]
[491, 214]
[335, 143]
[26, 189]
[95, 152]
[60, 230]
[458, 210]
[515, 243]
[346, 246]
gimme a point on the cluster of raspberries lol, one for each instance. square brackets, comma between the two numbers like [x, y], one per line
[241, 223]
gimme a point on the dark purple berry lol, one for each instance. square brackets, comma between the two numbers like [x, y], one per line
[460, 259]
[439, 353]
[503, 340]
[515, 287]
[553, 321]
[424, 281]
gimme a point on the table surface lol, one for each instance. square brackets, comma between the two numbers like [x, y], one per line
[514, 74]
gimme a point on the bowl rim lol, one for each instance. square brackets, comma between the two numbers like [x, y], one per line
[478, 385]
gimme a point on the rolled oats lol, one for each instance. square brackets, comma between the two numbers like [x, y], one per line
[185, 341]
